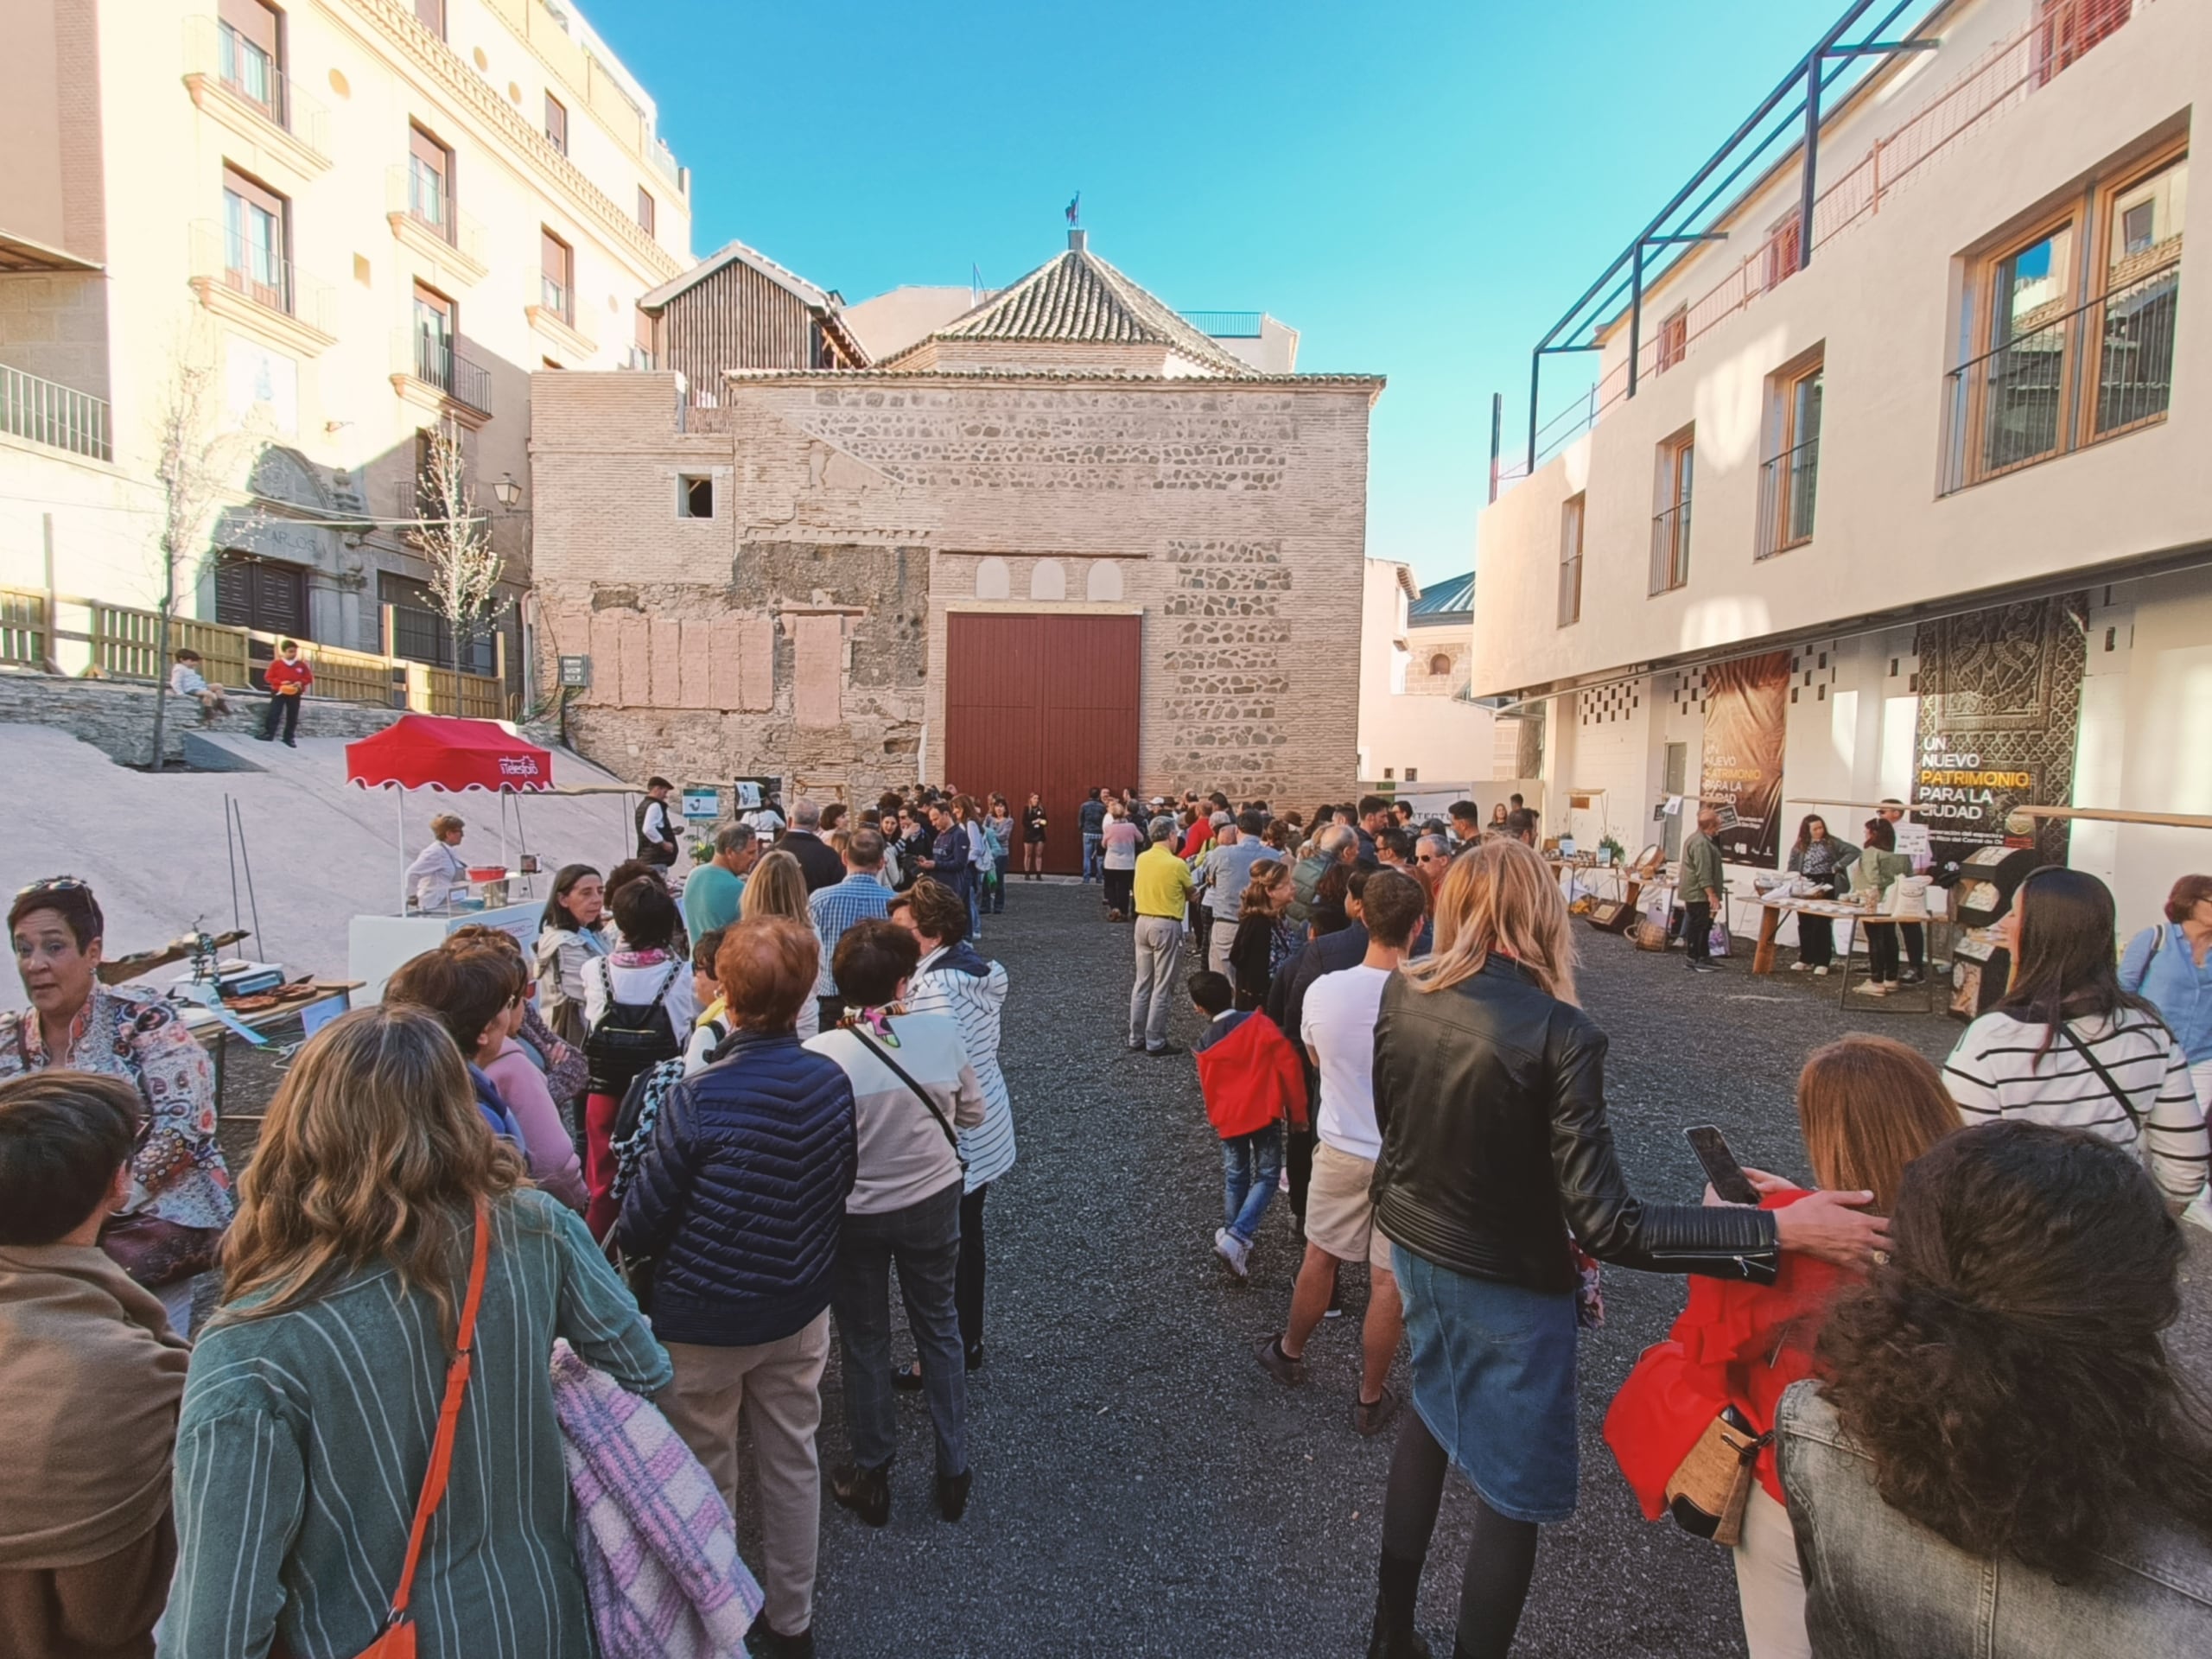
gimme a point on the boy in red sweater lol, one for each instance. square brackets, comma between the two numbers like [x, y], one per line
[1252, 1083]
[288, 677]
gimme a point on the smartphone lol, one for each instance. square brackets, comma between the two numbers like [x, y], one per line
[1720, 1166]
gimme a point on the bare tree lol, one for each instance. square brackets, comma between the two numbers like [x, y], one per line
[198, 464]
[455, 540]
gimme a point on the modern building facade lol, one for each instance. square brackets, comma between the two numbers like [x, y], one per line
[370, 219]
[1062, 539]
[1913, 505]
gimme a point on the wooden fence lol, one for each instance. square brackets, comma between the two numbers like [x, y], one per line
[123, 643]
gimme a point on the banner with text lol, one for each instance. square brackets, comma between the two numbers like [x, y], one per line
[2000, 697]
[1746, 703]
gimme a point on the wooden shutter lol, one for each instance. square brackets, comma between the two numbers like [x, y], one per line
[431, 13]
[255, 24]
[645, 210]
[557, 122]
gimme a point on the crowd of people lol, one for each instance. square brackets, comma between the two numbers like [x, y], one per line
[1919, 1389]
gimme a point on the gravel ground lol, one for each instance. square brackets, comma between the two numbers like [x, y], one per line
[1140, 1486]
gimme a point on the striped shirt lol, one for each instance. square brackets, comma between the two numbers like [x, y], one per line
[859, 897]
[305, 1437]
[974, 1002]
[1995, 1072]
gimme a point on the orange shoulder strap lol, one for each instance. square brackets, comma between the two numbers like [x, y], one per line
[434, 1482]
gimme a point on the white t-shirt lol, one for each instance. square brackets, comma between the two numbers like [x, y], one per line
[1339, 1023]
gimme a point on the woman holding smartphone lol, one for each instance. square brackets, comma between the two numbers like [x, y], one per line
[1497, 1161]
[1867, 1107]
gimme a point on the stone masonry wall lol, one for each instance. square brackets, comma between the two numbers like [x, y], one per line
[116, 717]
[1232, 514]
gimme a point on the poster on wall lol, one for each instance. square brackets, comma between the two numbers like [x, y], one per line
[1745, 705]
[2000, 697]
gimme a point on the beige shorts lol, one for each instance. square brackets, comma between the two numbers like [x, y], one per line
[1339, 1216]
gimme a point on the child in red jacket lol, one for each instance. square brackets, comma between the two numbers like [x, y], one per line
[1253, 1083]
[287, 676]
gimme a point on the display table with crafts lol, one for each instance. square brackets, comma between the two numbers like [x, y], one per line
[376, 946]
[249, 1017]
[1773, 906]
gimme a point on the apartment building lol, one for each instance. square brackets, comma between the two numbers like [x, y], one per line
[1421, 734]
[371, 219]
[1890, 478]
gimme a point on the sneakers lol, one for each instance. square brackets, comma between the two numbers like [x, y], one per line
[1336, 1308]
[1371, 1419]
[952, 1494]
[1911, 977]
[1820, 972]
[1233, 1250]
[1276, 1363]
[1874, 988]
[764, 1641]
[1167, 1048]
[1700, 965]
[1800, 967]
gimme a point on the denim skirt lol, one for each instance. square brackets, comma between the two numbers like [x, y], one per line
[1493, 1373]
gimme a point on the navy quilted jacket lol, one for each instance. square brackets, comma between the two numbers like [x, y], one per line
[742, 1191]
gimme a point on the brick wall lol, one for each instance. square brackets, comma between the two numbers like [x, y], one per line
[1232, 516]
[118, 719]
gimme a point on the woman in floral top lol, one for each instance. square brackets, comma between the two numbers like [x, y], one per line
[177, 1173]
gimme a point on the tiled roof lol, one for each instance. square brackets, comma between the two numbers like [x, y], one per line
[1078, 296]
[1453, 598]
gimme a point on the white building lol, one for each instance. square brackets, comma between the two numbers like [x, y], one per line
[1419, 733]
[1976, 570]
[368, 217]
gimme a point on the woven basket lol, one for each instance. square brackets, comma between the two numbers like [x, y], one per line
[1650, 935]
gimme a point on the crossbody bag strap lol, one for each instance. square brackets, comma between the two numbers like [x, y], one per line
[920, 1093]
[434, 1482]
[2110, 1082]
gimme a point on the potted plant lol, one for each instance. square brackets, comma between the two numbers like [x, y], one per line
[1609, 850]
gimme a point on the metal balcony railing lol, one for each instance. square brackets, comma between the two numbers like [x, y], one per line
[1788, 484]
[43, 412]
[1670, 548]
[557, 297]
[427, 197]
[260, 275]
[213, 48]
[434, 360]
[1226, 324]
[638, 357]
[2102, 368]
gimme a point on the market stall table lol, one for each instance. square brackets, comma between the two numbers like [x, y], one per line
[1772, 906]
[215, 1032]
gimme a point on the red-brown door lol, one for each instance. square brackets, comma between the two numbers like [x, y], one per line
[1042, 704]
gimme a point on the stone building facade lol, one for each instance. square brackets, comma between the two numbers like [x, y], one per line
[1068, 451]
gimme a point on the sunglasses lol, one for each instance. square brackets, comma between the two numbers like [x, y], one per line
[54, 884]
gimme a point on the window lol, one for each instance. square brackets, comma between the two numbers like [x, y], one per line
[1570, 559]
[556, 123]
[1670, 525]
[2066, 29]
[695, 498]
[557, 261]
[1785, 250]
[644, 210]
[436, 325]
[254, 236]
[251, 61]
[429, 181]
[431, 13]
[1789, 479]
[2072, 340]
[1674, 337]
[641, 353]
[1413, 774]
[420, 635]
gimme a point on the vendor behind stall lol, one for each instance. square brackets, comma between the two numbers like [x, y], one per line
[439, 873]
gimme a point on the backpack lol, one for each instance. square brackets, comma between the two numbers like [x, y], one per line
[629, 1037]
[634, 1120]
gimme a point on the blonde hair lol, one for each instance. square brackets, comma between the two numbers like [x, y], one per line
[1267, 892]
[445, 823]
[1499, 896]
[373, 1152]
[776, 887]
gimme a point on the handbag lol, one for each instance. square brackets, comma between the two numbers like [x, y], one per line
[396, 1640]
[921, 1094]
[157, 1253]
[1707, 1493]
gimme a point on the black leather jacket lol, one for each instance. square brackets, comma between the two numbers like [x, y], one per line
[1490, 1096]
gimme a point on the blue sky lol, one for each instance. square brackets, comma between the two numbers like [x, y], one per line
[1420, 189]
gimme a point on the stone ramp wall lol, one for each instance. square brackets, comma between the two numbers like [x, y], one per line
[116, 716]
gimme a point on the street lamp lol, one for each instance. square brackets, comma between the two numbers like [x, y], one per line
[506, 492]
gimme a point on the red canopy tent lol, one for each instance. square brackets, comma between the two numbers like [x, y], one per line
[432, 752]
[429, 752]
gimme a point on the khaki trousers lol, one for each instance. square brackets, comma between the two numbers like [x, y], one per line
[776, 1387]
[1769, 1583]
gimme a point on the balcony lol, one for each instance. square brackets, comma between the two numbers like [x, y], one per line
[1670, 549]
[1788, 483]
[424, 218]
[39, 411]
[551, 311]
[237, 84]
[430, 370]
[247, 285]
[1226, 324]
[2102, 369]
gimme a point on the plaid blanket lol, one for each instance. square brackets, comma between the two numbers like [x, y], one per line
[655, 1542]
